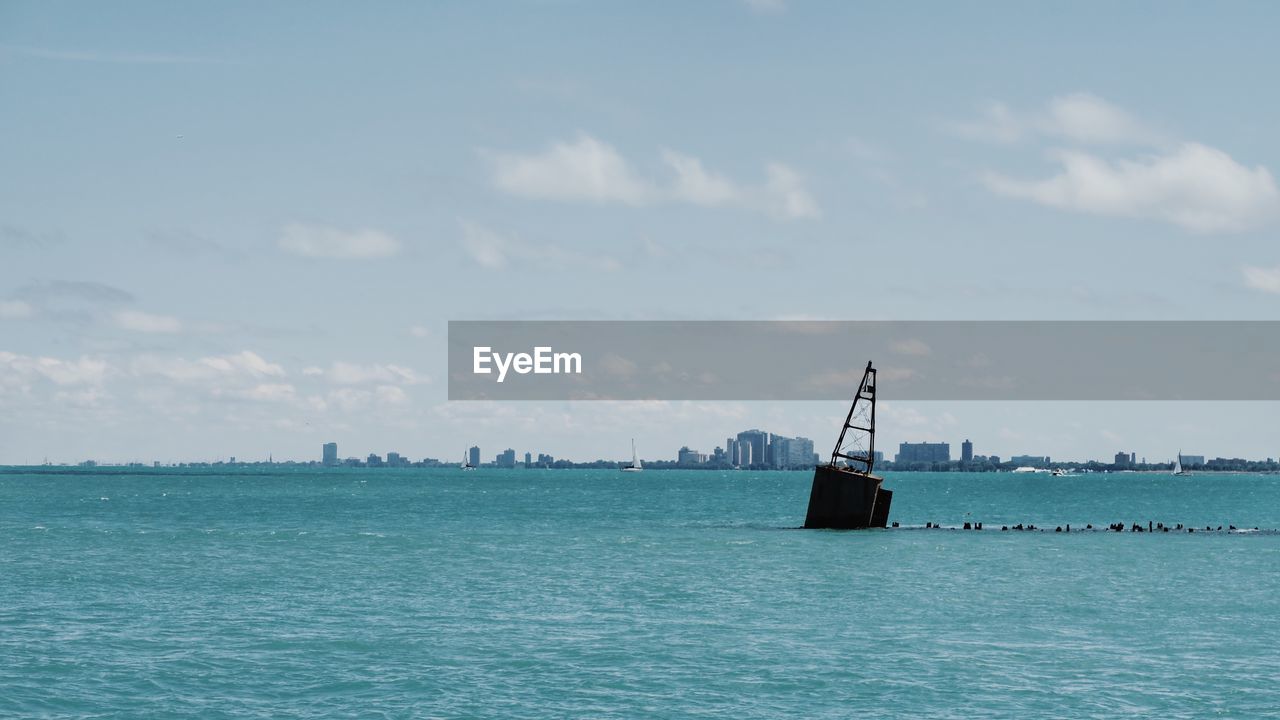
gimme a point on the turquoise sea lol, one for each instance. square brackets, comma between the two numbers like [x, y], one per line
[598, 594]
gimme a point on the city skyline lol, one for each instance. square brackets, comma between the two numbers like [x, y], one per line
[740, 450]
[220, 237]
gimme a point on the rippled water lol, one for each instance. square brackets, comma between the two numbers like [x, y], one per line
[383, 593]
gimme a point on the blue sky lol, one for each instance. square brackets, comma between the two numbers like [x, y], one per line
[240, 229]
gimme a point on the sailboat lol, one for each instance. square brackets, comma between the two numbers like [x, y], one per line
[635, 465]
[466, 462]
[1177, 465]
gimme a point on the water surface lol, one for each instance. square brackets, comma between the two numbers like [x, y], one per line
[540, 593]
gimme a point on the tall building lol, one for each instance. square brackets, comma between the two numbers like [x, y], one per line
[685, 456]
[756, 451]
[506, 458]
[785, 452]
[373, 460]
[923, 452]
[473, 456]
[395, 460]
[731, 451]
[1191, 459]
[966, 451]
[330, 456]
[528, 460]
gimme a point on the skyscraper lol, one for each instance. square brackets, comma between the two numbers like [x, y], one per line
[330, 456]
[473, 456]
[506, 459]
[966, 451]
[753, 447]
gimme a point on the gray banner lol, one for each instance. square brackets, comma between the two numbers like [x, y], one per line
[823, 360]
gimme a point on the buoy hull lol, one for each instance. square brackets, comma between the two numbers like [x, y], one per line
[844, 500]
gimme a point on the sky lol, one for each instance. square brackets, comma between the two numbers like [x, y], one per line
[239, 229]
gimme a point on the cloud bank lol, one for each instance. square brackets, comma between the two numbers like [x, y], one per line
[1191, 185]
[589, 170]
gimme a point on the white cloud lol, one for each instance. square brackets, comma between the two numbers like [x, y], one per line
[139, 321]
[244, 365]
[486, 247]
[695, 185]
[1196, 187]
[262, 392]
[327, 242]
[1077, 117]
[998, 124]
[786, 195]
[347, 399]
[84, 371]
[584, 169]
[344, 373]
[1085, 118]
[13, 309]
[1263, 279]
[391, 395]
[589, 170]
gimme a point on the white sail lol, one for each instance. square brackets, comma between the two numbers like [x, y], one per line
[635, 465]
[1177, 464]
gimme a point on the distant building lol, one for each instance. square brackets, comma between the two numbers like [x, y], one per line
[397, 460]
[330, 454]
[731, 451]
[528, 460]
[785, 452]
[545, 460]
[1124, 459]
[993, 459]
[373, 461]
[1034, 460]
[878, 456]
[966, 451]
[923, 452]
[473, 456]
[506, 458]
[685, 456]
[753, 448]
[1191, 459]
